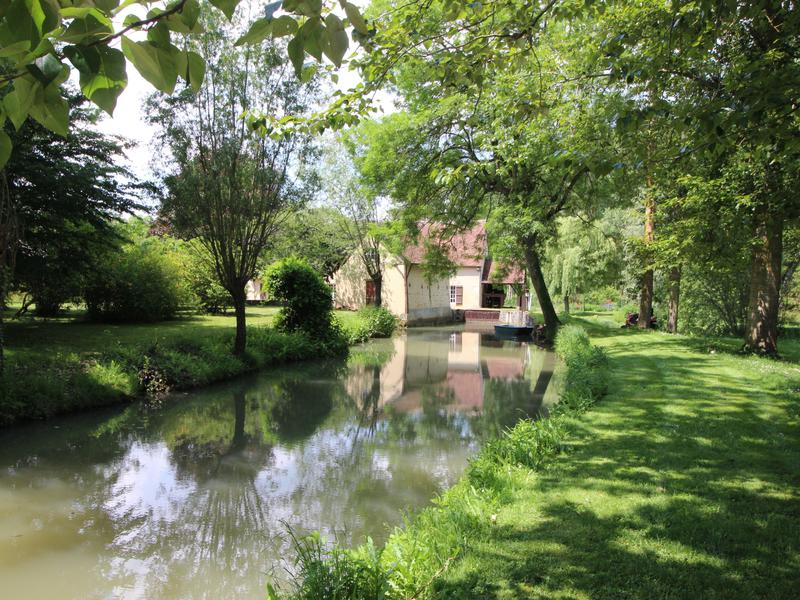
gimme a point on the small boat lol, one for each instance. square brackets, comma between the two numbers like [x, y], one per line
[513, 331]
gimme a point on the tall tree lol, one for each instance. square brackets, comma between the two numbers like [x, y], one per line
[314, 234]
[583, 257]
[743, 100]
[359, 212]
[67, 193]
[230, 188]
[524, 142]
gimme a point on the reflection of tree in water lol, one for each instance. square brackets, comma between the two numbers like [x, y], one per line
[215, 513]
[431, 422]
[506, 401]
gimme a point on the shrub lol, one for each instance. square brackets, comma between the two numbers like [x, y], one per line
[372, 322]
[139, 284]
[380, 322]
[306, 301]
[586, 373]
[306, 305]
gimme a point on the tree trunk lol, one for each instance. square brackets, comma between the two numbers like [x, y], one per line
[761, 330]
[566, 304]
[551, 321]
[239, 305]
[674, 298]
[646, 297]
[378, 281]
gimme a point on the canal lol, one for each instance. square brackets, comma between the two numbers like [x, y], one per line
[192, 496]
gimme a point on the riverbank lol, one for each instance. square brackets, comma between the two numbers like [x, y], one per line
[57, 366]
[415, 556]
[681, 482]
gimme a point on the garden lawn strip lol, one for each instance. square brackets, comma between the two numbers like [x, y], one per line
[683, 482]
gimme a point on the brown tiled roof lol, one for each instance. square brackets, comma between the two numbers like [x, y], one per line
[465, 249]
[502, 273]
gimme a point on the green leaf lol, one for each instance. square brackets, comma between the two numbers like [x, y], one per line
[45, 69]
[186, 20]
[45, 14]
[157, 65]
[310, 8]
[130, 20]
[159, 35]
[335, 41]
[190, 13]
[312, 33]
[15, 48]
[195, 70]
[81, 13]
[51, 110]
[18, 25]
[295, 50]
[102, 73]
[14, 110]
[284, 25]
[258, 32]
[86, 30]
[228, 7]
[5, 148]
[106, 5]
[355, 18]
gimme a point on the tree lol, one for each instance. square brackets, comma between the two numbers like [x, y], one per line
[67, 193]
[315, 235]
[584, 256]
[142, 281]
[741, 102]
[232, 189]
[524, 142]
[359, 212]
[40, 39]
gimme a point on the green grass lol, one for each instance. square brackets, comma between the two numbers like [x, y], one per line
[684, 482]
[415, 555]
[66, 364]
[73, 335]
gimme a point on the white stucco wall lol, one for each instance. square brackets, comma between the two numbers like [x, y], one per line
[470, 279]
[349, 284]
[427, 302]
[424, 301]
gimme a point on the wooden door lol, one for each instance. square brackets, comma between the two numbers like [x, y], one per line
[370, 297]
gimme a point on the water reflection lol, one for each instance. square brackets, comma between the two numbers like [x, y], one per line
[189, 499]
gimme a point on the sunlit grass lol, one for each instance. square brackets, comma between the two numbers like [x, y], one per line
[682, 483]
[73, 334]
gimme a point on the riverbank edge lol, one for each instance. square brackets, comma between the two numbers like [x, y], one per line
[41, 387]
[422, 549]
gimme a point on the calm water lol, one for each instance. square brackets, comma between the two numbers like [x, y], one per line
[191, 498]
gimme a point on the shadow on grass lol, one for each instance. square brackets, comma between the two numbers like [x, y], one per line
[683, 483]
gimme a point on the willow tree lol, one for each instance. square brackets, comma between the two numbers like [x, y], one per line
[231, 189]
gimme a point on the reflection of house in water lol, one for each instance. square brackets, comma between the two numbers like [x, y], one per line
[451, 368]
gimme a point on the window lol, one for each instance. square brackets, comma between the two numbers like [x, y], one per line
[456, 295]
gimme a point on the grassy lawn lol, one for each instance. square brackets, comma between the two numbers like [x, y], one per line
[67, 364]
[684, 482]
[71, 334]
